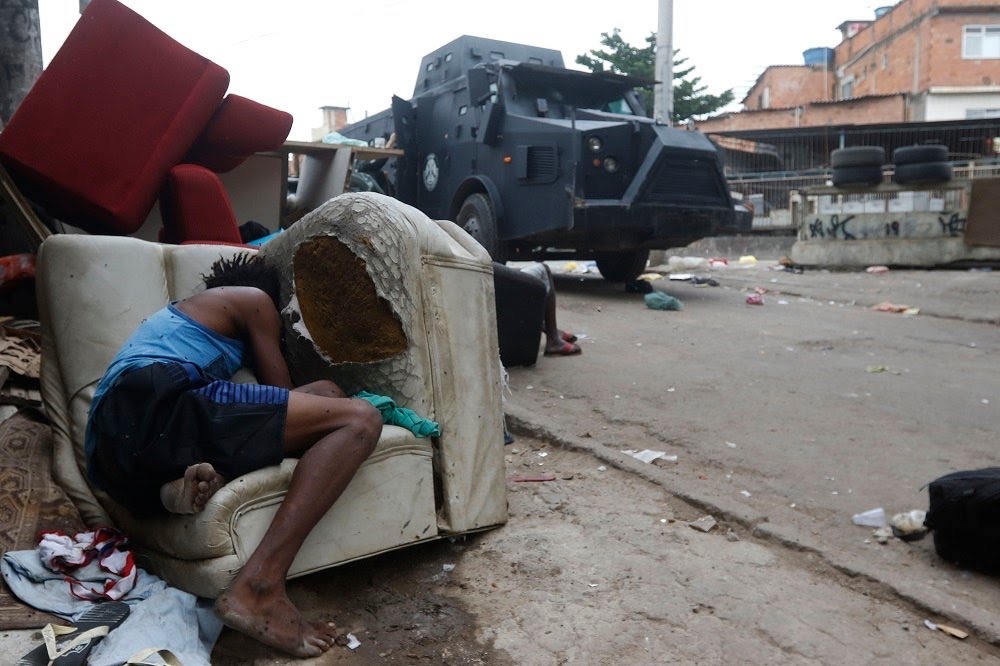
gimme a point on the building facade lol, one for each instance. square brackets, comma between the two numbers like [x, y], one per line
[916, 61]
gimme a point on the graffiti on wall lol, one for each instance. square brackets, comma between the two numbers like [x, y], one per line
[839, 227]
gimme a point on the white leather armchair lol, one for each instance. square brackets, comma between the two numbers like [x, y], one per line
[428, 283]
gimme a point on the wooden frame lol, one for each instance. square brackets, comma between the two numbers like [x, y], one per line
[22, 211]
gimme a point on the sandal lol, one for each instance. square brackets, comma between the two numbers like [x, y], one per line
[78, 640]
[567, 336]
[567, 349]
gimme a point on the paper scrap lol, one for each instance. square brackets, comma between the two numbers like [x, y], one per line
[646, 455]
[352, 642]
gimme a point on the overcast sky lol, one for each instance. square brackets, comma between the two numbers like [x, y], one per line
[298, 55]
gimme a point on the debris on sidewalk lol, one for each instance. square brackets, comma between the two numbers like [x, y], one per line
[909, 526]
[755, 299]
[647, 455]
[658, 300]
[882, 535]
[877, 270]
[704, 524]
[748, 260]
[677, 264]
[951, 631]
[896, 309]
[532, 478]
[875, 369]
[870, 518]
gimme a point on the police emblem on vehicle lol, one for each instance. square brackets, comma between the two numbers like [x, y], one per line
[430, 172]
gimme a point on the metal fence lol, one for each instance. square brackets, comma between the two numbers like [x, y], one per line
[771, 194]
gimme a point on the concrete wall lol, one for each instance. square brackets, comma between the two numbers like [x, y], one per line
[956, 106]
[785, 86]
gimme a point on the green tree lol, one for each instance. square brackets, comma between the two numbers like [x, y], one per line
[620, 57]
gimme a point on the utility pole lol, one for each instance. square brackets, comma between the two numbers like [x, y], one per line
[663, 93]
[20, 53]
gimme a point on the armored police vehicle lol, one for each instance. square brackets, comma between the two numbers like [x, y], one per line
[537, 161]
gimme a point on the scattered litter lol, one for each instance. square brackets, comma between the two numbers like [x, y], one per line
[731, 445]
[951, 631]
[732, 536]
[532, 478]
[755, 299]
[877, 270]
[896, 309]
[985, 401]
[542, 454]
[657, 300]
[874, 369]
[704, 524]
[718, 262]
[782, 302]
[663, 520]
[745, 493]
[646, 455]
[529, 387]
[448, 567]
[680, 276]
[602, 468]
[676, 264]
[909, 526]
[759, 290]
[650, 277]
[748, 260]
[882, 535]
[352, 642]
[591, 584]
[704, 282]
[870, 518]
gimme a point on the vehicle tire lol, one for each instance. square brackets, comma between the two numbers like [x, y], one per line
[920, 154]
[858, 156]
[857, 176]
[477, 217]
[622, 266]
[924, 172]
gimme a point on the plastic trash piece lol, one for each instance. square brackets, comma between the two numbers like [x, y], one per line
[748, 260]
[870, 518]
[909, 525]
[755, 299]
[657, 300]
[877, 270]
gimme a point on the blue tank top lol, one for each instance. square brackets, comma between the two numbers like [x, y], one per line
[170, 336]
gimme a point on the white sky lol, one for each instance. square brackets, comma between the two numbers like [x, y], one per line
[298, 55]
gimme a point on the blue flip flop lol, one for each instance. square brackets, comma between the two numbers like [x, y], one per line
[70, 645]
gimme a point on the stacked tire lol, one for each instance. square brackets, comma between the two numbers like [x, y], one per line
[918, 165]
[858, 166]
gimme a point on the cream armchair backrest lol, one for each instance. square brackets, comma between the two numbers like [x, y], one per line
[432, 278]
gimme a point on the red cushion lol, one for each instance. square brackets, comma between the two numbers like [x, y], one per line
[120, 103]
[195, 208]
[240, 128]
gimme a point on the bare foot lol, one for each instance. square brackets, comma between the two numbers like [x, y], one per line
[191, 492]
[267, 614]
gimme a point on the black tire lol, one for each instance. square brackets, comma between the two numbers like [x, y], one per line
[857, 176]
[477, 217]
[858, 156]
[622, 266]
[925, 172]
[920, 154]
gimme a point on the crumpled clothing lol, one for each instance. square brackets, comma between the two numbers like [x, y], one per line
[400, 416]
[64, 554]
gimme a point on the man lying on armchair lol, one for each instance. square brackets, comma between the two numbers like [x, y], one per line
[168, 428]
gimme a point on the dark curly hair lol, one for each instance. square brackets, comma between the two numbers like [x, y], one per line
[245, 270]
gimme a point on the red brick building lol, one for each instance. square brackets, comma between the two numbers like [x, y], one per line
[917, 61]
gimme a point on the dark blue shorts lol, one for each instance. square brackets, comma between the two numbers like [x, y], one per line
[155, 422]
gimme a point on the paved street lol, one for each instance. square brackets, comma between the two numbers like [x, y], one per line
[791, 417]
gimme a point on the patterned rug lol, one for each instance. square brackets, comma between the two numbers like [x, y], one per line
[30, 502]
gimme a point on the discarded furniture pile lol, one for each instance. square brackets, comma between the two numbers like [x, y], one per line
[125, 116]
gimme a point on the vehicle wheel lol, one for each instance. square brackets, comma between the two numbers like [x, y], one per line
[476, 216]
[920, 154]
[858, 156]
[924, 172]
[857, 176]
[622, 266]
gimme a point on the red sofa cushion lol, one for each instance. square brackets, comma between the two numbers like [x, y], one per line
[195, 208]
[120, 103]
[240, 128]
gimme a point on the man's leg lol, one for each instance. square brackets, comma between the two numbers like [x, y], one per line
[556, 341]
[332, 437]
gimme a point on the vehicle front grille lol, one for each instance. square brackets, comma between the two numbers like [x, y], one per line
[682, 180]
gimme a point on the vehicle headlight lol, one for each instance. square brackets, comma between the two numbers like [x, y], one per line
[594, 144]
[610, 164]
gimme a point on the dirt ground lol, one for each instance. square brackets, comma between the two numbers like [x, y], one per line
[602, 567]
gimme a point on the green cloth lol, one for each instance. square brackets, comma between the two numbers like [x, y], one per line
[401, 416]
[657, 300]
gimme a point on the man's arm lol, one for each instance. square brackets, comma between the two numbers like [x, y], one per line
[261, 325]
